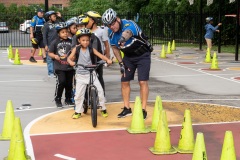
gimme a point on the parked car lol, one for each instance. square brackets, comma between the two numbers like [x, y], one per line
[25, 26]
[4, 27]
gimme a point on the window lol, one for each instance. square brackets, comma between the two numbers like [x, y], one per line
[59, 6]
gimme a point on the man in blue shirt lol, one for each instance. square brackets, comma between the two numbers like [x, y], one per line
[126, 36]
[210, 31]
[36, 36]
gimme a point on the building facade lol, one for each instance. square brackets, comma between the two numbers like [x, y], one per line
[56, 3]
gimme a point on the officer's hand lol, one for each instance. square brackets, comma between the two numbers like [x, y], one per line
[123, 69]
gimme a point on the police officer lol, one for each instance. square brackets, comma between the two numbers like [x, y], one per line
[126, 36]
[36, 35]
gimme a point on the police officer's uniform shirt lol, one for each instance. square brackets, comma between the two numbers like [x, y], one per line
[37, 23]
[62, 48]
[125, 25]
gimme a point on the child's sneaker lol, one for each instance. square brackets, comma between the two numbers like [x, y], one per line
[69, 102]
[76, 115]
[58, 103]
[104, 113]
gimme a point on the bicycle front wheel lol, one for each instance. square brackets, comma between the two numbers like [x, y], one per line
[94, 107]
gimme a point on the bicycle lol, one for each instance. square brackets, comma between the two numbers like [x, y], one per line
[91, 99]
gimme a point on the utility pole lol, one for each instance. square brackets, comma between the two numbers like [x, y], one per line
[237, 31]
[220, 21]
[201, 24]
[46, 5]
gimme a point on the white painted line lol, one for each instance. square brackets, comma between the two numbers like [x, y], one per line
[85, 131]
[208, 100]
[29, 147]
[195, 75]
[201, 71]
[16, 110]
[64, 157]
[21, 81]
[28, 141]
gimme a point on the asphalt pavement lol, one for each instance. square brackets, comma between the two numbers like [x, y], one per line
[183, 76]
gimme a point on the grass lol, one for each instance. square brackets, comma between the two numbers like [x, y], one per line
[224, 48]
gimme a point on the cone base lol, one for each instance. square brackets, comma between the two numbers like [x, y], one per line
[27, 158]
[146, 130]
[182, 151]
[215, 68]
[171, 151]
[4, 138]
[154, 130]
[17, 63]
[208, 61]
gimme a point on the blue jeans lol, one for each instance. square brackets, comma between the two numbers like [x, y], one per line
[49, 65]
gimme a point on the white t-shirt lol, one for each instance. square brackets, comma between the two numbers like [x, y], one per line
[101, 33]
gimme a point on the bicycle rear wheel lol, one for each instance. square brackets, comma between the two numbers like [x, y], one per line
[94, 107]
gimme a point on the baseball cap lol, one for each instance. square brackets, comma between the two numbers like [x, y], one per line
[39, 10]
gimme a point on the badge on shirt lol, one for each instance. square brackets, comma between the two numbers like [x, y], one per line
[33, 20]
[126, 25]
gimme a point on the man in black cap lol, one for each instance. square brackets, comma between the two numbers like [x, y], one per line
[36, 36]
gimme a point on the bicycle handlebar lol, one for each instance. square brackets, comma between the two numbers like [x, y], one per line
[92, 66]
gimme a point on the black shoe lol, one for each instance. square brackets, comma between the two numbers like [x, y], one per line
[69, 102]
[58, 103]
[44, 60]
[126, 112]
[32, 59]
[144, 113]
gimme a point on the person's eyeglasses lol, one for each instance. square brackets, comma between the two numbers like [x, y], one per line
[113, 23]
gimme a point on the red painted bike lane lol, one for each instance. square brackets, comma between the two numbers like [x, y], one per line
[118, 145]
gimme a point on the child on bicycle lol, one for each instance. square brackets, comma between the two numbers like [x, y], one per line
[86, 55]
[59, 50]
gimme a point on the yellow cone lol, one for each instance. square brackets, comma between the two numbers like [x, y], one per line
[8, 122]
[10, 52]
[162, 144]
[199, 152]
[169, 50]
[40, 52]
[17, 58]
[20, 151]
[156, 113]
[163, 53]
[173, 46]
[186, 140]
[214, 64]
[228, 150]
[208, 56]
[17, 135]
[137, 124]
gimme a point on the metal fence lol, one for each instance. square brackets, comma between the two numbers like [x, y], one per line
[160, 28]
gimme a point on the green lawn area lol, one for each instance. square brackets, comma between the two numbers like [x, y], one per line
[224, 48]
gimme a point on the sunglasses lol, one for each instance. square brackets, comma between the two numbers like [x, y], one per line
[113, 23]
